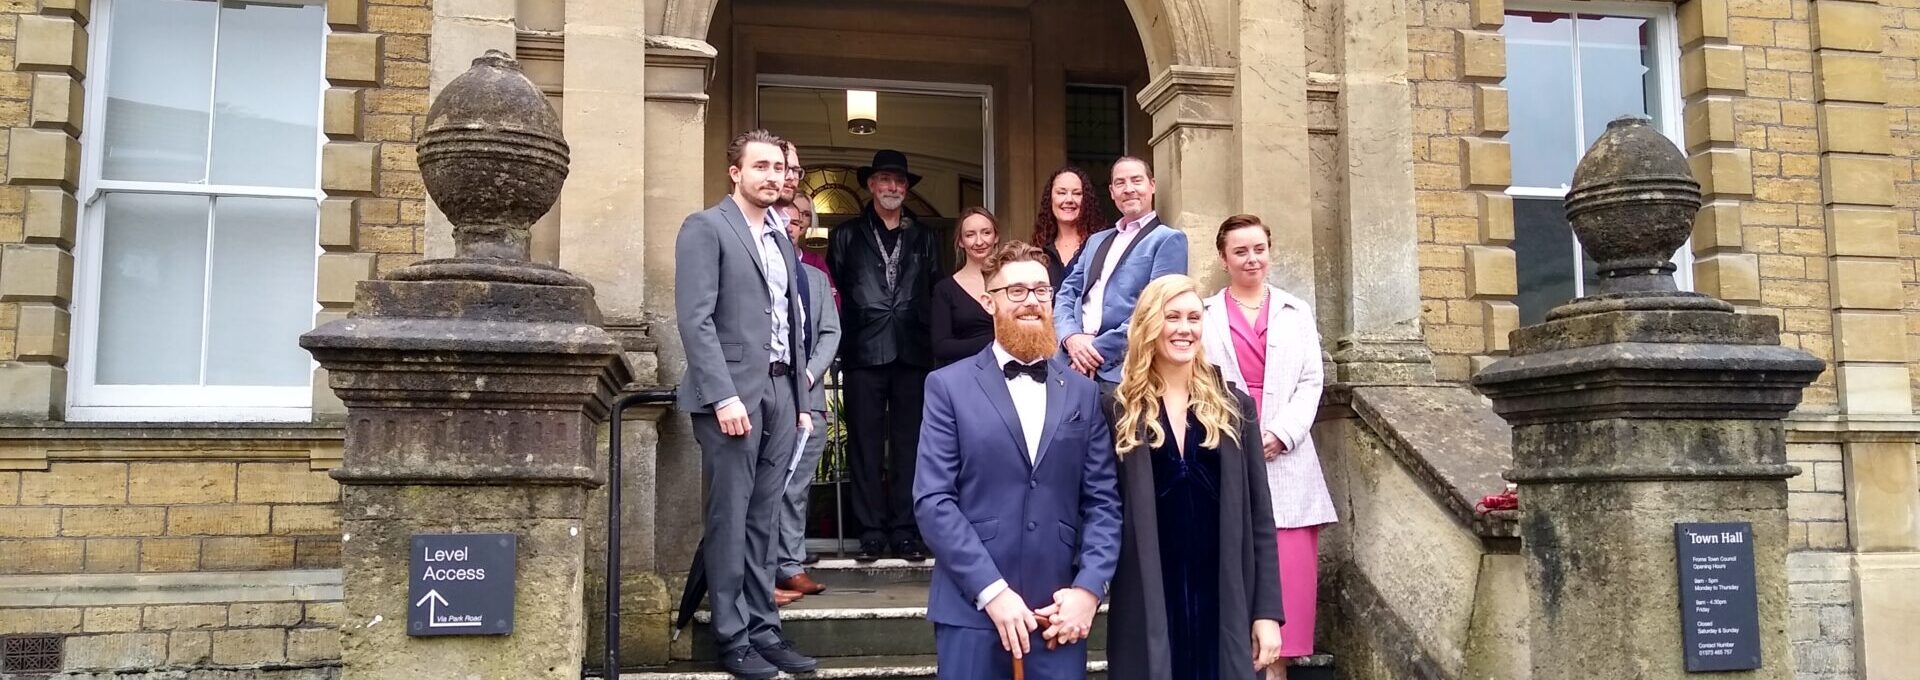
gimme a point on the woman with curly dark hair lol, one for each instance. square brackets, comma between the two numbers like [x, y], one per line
[1069, 213]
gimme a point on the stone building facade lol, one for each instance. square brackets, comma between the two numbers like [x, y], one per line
[1406, 144]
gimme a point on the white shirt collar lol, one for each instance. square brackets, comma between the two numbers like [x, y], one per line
[1126, 227]
[1001, 356]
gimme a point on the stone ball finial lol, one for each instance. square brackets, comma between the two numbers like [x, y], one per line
[493, 159]
[1632, 205]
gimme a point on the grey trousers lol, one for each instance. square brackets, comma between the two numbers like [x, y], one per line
[793, 513]
[745, 485]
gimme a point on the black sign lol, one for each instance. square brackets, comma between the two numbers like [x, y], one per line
[461, 584]
[1719, 609]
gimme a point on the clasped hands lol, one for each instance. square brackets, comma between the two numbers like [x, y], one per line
[1082, 355]
[1069, 619]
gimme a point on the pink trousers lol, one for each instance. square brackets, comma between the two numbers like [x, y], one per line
[1299, 588]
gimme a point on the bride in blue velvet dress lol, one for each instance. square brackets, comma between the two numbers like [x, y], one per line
[1196, 596]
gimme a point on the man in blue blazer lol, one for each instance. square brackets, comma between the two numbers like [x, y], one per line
[1097, 297]
[1015, 492]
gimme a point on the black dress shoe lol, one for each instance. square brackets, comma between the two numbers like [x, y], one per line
[810, 559]
[911, 550]
[783, 656]
[744, 662]
[870, 551]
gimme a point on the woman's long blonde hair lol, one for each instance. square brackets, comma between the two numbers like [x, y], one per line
[1138, 396]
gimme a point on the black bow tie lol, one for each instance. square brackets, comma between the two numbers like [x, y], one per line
[1036, 370]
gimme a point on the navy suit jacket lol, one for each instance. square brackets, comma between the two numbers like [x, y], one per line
[989, 514]
[1158, 251]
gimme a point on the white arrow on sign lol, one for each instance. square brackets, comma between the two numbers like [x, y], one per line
[433, 598]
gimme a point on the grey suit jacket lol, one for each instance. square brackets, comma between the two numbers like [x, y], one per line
[725, 313]
[824, 318]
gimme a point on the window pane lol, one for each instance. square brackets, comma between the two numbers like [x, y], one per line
[262, 291]
[267, 96]
[160, 85]
[1614, 73]
[1541, 100]
[152, 276]
[1543, 257]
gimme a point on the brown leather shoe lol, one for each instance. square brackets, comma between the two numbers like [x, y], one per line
[802, 583]
[783, 597]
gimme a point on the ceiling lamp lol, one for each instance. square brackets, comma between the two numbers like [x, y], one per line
[863, 112]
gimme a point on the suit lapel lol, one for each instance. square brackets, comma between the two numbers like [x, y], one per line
[738, 220]
[993, 381]
[1219, 325]
[1097, 265]
[1056, 408]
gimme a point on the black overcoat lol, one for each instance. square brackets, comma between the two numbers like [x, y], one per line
[1249, 563]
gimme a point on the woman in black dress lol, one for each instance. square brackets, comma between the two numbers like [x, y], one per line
[961, 325]
[1069, 213]
[1197, 592]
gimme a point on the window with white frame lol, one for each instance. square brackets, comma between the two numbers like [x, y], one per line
[200, 197]
[1570, 69]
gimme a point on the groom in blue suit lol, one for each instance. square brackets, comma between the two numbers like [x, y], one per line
[1097, 296]
[1015, 492]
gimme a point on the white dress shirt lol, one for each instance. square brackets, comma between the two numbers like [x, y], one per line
[1030, 402]
[773, 227]
[1123, 235]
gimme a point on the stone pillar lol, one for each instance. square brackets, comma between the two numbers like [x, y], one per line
[1636, 408]
[1193, 112]
[679, 70]
[1271, 107]
[1381, 340]
[1866, 271]
[473, 388]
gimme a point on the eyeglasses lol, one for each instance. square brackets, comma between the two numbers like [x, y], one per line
[1019, 293]
[796, 170]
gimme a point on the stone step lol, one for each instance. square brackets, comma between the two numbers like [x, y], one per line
[846, 573]
[883, 620]
[909, 667]
[921, 667]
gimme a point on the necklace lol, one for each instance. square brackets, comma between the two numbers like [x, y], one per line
[1248, 307]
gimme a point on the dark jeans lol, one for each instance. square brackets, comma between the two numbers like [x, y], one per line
[883, 436]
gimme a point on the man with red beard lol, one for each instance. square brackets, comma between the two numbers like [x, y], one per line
[1015, 491]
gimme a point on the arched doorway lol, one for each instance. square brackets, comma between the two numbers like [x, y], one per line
[1048, 82]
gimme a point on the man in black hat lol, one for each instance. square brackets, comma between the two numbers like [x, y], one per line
[884, 263]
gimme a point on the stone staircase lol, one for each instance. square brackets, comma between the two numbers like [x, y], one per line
[871, 623]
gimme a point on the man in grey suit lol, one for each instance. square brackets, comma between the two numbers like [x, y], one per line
[741, 325]
[822, 340]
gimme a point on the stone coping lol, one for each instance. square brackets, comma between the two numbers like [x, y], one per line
[100, 590]
[1448, 437]
[63, 431]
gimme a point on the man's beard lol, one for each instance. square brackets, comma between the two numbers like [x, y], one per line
[891, 202]
[1027, 345]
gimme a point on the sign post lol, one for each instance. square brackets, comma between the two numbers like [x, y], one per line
[1719, 606]
[461, 584]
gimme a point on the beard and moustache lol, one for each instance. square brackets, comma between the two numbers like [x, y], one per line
[1027, 344]
[891, 201]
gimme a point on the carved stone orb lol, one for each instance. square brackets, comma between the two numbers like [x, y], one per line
[493, 158]
[1632, 205]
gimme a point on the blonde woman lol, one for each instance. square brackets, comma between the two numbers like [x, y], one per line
[1264, 342]
[1197, 592]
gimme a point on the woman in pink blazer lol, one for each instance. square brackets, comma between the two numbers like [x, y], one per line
[1264, 341]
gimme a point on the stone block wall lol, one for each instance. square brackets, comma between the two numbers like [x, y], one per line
[168, 516]
[1817, 498]
[248, 634]
[269, 640]
[1795, 117]
[1821, 624]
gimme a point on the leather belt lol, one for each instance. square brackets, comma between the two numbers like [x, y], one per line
[779, 369]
